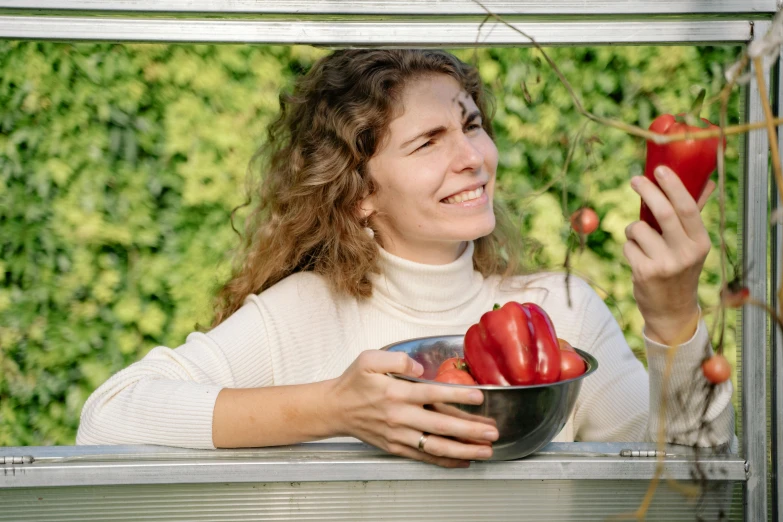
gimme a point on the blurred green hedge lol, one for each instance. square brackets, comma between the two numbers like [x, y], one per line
[120, 164]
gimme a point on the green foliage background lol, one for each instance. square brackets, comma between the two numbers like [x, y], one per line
[120, 164]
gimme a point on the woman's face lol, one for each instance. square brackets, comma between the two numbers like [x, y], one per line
[435, 174]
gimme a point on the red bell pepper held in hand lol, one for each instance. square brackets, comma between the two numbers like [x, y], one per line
[692, 160]
[513, 345]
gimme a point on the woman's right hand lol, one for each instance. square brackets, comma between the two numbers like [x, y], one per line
[389, 413]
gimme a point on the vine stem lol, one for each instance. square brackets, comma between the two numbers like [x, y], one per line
[773, 140]
[633, 130]
[660, 436]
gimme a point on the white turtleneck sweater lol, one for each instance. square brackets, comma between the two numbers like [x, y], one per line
[298, 332]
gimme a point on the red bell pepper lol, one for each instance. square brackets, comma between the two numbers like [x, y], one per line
[513, 345]
[692, 160]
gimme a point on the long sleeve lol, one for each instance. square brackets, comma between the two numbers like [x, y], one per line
[622, 402]
[168, 397]
[686, 394]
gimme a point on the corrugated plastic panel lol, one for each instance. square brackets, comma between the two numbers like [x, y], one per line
[433, 501]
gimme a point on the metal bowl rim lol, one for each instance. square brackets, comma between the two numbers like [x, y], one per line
[592, 366]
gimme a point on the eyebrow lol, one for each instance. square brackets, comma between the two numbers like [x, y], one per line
[441, 129]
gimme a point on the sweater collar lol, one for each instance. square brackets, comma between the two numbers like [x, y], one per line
[420, 287]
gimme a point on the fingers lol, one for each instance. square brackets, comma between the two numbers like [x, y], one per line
[437, 449]
[448, 409]
[641, 265]
[448, 426]
[660, 206]
[705, 196]
[442, 446]
[421, 394]
[450, 436]
[379, 361]
[650, 242]
[671, 204]
[684, 205]
[404, 450]
[397, 415]
[460, 414]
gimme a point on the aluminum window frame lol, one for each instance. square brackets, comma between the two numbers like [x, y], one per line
[454, 23]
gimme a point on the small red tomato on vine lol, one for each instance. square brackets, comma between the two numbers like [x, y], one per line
[584, 221]
[716, 369]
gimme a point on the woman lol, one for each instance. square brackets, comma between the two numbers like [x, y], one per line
[376, 223]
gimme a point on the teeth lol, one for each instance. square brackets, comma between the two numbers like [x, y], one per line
[465, 196]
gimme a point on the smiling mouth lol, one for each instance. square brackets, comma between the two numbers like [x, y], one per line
[466, 195]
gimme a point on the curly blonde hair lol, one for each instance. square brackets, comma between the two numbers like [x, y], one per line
[316, 174]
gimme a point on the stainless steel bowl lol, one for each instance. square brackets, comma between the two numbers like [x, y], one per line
[527, 417]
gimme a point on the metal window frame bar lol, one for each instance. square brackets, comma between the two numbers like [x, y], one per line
[338, 462]
[40, 22]
[380, 33]
[776, 351]
[755, 322]
[407, 7]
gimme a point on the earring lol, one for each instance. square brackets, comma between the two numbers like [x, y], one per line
[366, 222]
[365, 216]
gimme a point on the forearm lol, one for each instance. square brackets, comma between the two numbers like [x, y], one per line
[274, 416]
[672, 329]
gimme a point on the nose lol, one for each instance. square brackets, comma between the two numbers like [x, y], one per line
[467, 156]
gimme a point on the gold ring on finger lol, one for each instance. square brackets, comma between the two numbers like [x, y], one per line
[422, 441]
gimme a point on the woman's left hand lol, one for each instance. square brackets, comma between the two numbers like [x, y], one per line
[665, 267]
